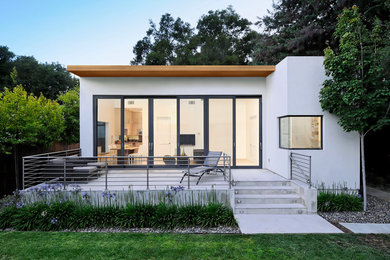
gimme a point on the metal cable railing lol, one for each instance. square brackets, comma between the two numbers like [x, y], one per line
[123, 172]
[300, 168]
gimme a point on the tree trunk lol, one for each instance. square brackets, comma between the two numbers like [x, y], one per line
[363, 162]
[16, 165]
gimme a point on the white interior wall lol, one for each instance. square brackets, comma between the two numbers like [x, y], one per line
[221, 125]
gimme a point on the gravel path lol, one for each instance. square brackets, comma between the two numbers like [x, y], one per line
[378, 211]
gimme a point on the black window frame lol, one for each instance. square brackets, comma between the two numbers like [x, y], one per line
[321, 132]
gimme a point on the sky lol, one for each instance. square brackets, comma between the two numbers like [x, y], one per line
[99, 32]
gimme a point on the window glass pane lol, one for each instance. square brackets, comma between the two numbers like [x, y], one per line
[299, 132]
[136, 129]
[191, 127]
[165, 122]
[247, 132]
[108, 127]
[221, 125]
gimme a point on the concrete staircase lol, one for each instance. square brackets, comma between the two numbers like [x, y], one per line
[267, 197]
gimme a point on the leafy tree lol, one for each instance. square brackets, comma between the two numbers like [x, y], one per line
[50, 79]
[70, 106]
[296, 27]
[224, 38]
[162, 44]
[6, 59]
[357, 90]
[221, 37]
[27, 120]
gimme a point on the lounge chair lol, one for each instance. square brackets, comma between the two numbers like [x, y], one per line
[210, 163]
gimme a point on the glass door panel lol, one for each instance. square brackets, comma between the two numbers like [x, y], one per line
[247, 132]
[221, 125]
[165, 130]
[136, 130]
[192, 128]
[108, 127]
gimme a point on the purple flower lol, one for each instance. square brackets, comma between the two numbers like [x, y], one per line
[75, 188]
[107, 194]
[85, 195]
[54, 221]
[167, 194]
[19, 205]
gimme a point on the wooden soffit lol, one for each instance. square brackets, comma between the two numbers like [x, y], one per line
[170, 71]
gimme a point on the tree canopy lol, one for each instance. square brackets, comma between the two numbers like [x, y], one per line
[357, 90]
[50, 79]
[70, 107]
[297, 27]
[220, 37]
[26, 119]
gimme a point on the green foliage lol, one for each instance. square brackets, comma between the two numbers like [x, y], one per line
[299, 28]
[25, 119]
[331, 202]
[221, 37]
[70, 215]
[357, 91]
[50, 79]
[70, 106]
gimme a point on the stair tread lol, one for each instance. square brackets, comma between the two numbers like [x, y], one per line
[267, 196]
[270, 206]
[264, 188]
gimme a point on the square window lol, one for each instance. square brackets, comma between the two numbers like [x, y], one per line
[300, 132]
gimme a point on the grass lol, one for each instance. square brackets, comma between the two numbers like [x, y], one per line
[72, 245]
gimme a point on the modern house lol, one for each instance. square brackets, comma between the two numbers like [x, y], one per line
[153, 127]
[256, 114]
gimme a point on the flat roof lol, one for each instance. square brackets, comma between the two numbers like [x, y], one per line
[171, 71]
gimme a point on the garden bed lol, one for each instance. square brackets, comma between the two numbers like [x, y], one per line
[59, 208]
[378, 211]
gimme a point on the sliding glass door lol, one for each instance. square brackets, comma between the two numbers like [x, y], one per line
[247, 132]
[170, 126]
[108, 134]
[221, 125]
[191, 127]
[165, 128]
[136, 129]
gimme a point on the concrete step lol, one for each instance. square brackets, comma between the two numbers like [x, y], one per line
[267, 199]
[260, 183]
[265, 190]
[291, 208]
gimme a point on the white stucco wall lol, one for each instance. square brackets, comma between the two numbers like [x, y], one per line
[155, 87]
[291, 90]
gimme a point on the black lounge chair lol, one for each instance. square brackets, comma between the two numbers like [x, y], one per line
[210, 163]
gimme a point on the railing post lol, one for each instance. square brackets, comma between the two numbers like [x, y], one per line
[188, 163]
[291, 166]
[23, 173]
[224, 166]
[106, 175]
[147, 173]
[64, 182]
[230, 173]
[309, 172]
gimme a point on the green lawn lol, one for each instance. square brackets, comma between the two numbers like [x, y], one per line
[70, 245]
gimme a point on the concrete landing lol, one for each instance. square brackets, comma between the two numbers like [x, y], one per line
[284, 224]
[370, 228]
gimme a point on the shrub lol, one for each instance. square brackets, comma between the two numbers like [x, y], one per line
[70, 215]
[327, 202]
